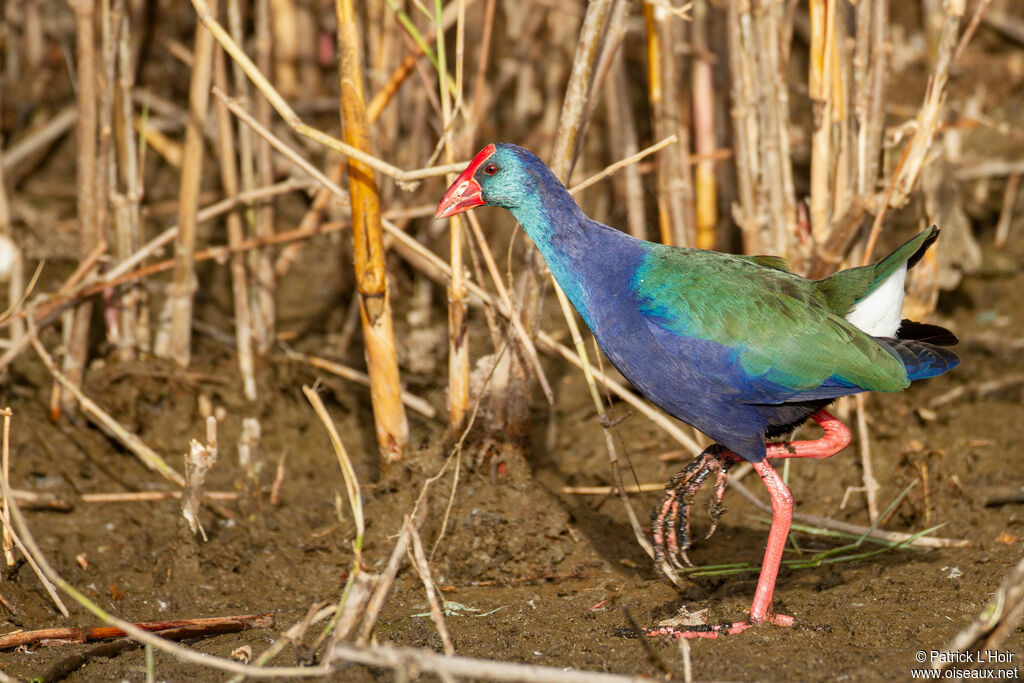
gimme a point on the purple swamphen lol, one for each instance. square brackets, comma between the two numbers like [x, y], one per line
[737, 346]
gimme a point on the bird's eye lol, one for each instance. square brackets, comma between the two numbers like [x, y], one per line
[490, 169]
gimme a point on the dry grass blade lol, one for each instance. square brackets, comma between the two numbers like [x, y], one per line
[423, 567]
[414, 402]
[348, 472]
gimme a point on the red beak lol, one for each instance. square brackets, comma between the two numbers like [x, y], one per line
[465, 192]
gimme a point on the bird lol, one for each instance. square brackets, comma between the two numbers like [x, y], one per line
[739, 347]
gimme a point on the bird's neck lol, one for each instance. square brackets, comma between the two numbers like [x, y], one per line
[573, 246]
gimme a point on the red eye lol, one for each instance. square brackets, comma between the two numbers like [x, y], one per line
[490, 169]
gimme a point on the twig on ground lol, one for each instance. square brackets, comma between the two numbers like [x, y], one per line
[428, 661]
[418, 404]
[423, 567]
[49, 637]
[149, 496]
[101, 418]
[845, 527]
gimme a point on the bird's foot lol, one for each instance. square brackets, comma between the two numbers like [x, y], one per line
[715, 630]
[670, 521]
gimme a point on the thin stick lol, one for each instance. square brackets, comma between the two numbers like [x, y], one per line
[968, 33]
[150, 496]
[8, 543]
[867, 469]
[39, 138]
[423, 567]
[845, 527]
[387, 578]
[101, 418]
[1005, 213]
[348, 472]
[49, 637]
[609, 490]
[428, 661]
[622, 163]
[416, 403]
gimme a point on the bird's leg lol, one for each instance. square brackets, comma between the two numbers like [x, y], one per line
[836, 438]
[761, 607]
[671, 531]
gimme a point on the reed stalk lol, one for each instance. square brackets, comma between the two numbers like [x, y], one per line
[262, 262]
[371, 280]
[236, 233]
[458, 328]
[703, 98]
[85, 178]
[176, 342]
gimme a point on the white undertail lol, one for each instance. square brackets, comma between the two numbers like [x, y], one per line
[880, 312]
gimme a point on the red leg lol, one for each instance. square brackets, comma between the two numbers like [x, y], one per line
[836, 438]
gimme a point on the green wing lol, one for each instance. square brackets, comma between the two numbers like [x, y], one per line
[781, 331]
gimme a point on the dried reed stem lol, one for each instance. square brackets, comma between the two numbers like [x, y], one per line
[198, 461]
[262, 262]
[236, 233]
[5, 462]
[176, 343]
[703, 96]
[458, 328]
[672, 185]
[820, 86]
[623, 136]
[127, 220]
[416, 403]
[423, 568]
[370, 268]
[927, 122]
[85, 174]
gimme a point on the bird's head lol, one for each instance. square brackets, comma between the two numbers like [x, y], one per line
[499, 175]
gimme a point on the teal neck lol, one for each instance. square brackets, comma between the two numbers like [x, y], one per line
[560, 230]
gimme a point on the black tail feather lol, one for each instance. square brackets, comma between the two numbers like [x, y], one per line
[933, 334]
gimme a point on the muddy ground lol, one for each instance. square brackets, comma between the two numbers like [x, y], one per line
[544, 577]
